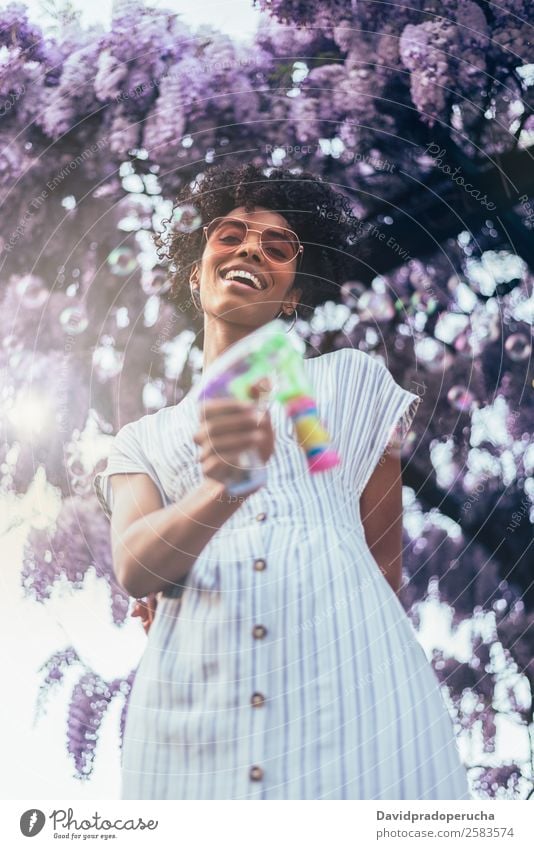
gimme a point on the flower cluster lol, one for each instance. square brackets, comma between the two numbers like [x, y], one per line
[79, 542]
[102, 132]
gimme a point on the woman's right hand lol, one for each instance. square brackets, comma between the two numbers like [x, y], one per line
[228, 427]
[146, 610]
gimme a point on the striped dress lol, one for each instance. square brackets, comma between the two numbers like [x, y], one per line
[286, 668]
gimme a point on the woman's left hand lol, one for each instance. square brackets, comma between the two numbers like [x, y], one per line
[146, 610]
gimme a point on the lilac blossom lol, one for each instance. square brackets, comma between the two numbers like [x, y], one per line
[96, 118]
[90, 699]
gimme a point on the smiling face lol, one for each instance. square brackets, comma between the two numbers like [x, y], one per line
[240, 284]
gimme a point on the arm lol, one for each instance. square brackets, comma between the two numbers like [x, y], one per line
[381, 514]
[154, 545]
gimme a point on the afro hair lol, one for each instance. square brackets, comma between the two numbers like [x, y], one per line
[321, 216]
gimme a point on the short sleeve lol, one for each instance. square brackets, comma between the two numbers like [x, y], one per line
[381, 413]
[127, 455]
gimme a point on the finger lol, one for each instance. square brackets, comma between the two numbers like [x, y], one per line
[238, 424]
[223, 407]
[230, 421]
[140, 610]
[224, 447]
[222, 462]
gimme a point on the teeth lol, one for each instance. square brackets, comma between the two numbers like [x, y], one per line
[236, 272]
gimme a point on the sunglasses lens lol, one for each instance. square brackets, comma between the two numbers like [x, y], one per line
[226, 233]
[278, 245]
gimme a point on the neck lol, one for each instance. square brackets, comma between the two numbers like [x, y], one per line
[218, 337]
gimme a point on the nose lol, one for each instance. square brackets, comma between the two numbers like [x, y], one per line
[250, 246]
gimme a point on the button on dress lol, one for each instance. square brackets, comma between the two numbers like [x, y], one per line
[284, 666]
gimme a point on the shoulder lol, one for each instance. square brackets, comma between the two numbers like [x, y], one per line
[353, 374]
[341, 355]
[345, 362]
[152, 426]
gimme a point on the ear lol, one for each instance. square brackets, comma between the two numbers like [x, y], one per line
[194, 275]
[293, 298]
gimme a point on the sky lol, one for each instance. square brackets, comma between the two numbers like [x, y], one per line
[235, 17]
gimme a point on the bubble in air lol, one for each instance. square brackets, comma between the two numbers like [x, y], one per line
[73, 320]
[32, 292]
[460, 398]
[351, 292]
[186, 219]
[155, 282]
[518, 347]
[409, 443]
[376, 306]
[122, 261]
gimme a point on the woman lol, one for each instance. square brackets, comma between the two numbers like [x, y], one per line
[280, 663]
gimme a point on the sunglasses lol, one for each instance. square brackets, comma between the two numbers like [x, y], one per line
[277, 244]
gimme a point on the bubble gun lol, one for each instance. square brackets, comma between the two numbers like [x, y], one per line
[268, 353]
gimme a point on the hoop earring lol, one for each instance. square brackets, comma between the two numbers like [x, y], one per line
[281, 313]
[198, 304]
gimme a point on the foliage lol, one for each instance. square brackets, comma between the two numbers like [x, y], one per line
[401, 108]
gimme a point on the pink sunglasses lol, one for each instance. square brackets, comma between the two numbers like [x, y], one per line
[277, 244]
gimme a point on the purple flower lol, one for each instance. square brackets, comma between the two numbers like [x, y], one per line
[89, 701]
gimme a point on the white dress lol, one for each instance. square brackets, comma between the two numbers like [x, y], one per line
[286, 668]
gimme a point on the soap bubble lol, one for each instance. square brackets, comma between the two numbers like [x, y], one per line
[186, 219]
[518, 347]
[424, 301]
[12, 343]
[375, 306]
[460, 398]
[122, 261]
[73, 320]
[32, 291]
[155, 282]
[79, 478]
[409, 443]
[351, 292]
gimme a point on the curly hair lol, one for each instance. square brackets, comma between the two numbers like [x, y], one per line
[322, 218]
